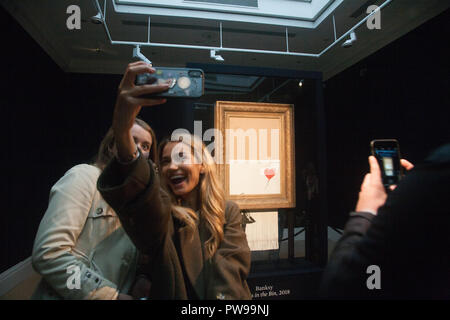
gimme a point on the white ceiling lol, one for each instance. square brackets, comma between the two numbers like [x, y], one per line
[298, 13]
[89, 50]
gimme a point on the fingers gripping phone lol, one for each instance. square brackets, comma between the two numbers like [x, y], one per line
[183, 82]
[387, 153]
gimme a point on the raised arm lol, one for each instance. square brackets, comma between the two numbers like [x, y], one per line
[134, 193]
[128, 105]
[370, 237]
[129, 183]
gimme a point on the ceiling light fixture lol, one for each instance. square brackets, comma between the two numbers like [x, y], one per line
[138, 55]
[348, 43]
[300, 83]
[215, 56]
[97, 19]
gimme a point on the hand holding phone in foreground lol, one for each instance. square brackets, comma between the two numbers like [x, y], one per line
[373, 194]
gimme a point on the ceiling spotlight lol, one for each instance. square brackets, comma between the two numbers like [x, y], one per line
[300, 83]
[214, 56]
[139, 56]
[97, 19]
[348, 43]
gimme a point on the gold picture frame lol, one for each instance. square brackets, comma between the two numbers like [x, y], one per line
[255, 153]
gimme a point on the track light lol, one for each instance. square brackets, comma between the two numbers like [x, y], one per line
[348, 43]
[214, 56]
[138, 55]
[97, 19]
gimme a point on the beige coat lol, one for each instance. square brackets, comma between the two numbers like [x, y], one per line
[81, 249]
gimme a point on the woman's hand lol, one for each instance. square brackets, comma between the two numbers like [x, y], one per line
[128, 104]
[373, 195]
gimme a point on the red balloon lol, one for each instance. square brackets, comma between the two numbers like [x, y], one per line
[269, 173]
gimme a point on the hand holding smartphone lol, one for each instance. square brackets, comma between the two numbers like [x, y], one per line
[387, 153]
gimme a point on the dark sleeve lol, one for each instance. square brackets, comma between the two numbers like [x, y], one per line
[231, 262]
[134, 192]
[344, 276]
[406, 240]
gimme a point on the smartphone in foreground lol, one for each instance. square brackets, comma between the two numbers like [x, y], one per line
[183, 82]
[387, 153]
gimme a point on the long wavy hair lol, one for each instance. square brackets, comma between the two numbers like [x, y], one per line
[211, 197]
[105, 151]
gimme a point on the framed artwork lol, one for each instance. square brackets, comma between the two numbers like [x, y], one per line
[254, 150]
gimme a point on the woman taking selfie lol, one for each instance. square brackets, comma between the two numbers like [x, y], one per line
[80, 249]
[193, 237]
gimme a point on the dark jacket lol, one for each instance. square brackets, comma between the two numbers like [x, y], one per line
[409, 240]
[178, 266]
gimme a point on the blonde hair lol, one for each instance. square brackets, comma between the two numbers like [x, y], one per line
[211, 196]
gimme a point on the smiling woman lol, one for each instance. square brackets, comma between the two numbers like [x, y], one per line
[189, 175]
[194, 240]
[181, 172]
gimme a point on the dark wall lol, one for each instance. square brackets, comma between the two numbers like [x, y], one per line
[50, 122]
[402, 92]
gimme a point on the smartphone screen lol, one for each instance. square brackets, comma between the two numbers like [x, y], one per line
[387, 153]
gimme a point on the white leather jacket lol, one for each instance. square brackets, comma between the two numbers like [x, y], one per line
[81, 249]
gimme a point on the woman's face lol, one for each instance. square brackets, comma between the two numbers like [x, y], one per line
[143, 139]
[179, 169]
